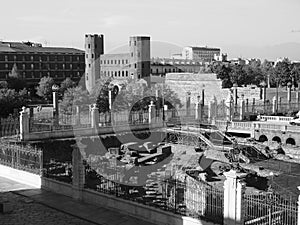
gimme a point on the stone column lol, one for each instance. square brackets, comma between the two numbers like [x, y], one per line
[77, 115]
[298, 211]
[298, 99]
[279, 105]
[55, 90]
[24, 124]
[247, 105]
[110, 98]
[228, 104]
[78, 171]
[188, 104]
[151, 112]
[198, 109]
[289, 95]
[274, 104]
[234, 189]
[235, 97]
[253, 105]
[94, 116]
[242, 110]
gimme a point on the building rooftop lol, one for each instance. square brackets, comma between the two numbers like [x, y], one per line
[35, 48]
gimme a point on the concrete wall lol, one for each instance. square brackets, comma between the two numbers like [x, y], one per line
[20, 176]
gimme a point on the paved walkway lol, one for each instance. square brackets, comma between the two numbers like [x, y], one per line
[36, 206]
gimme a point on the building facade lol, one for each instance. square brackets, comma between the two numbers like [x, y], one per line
[134, 65]
[33, 61]
[204, 54]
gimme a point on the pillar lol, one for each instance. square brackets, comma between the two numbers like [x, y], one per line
[235, 97]
[247, 105]
[110, 98]
[55, 105]
[31, 113]
[94, 116]
[151, 112]
[253, 105]
[228, 104]
[298, 211]
[274, 105]
[279, 105]
[24, 124]
[188, 104]
[234, 189]
[242, 110]
[78, 173]
[77, 115]
[298, 99]
[212, 110]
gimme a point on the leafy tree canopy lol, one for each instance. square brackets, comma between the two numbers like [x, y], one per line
[44, 89]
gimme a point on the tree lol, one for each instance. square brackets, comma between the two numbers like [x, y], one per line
[44, 89]
[73, 96]
[295, 74]
[3, 84]
[67, 83]
[100, 92]
[223, 72]
[15, 81]
[281, 74]
[10, 100]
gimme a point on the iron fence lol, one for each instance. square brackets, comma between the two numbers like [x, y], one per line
[9, 126]
[20, 157]
[194, 199]
[269, 208]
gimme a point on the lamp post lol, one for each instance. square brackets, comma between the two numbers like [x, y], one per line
[264, 95]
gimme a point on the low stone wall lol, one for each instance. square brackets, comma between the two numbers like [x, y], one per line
[20, 176]
[140, 211]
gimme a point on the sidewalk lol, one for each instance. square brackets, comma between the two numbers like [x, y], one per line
[51, 208]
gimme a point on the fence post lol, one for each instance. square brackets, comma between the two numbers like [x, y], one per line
[298, 208]
[24, 124]
[78, 173]
[188, 103]
[94, 116]
[151, 112]
[234, 189]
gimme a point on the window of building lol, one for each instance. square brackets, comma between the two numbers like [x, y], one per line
[122, 61]
[104, 62]
[129, 43]
[92, 56]
[6, 58]
[107, 61]
[119, 61]
[122, 73]
[134, 43]
[112, 62]
[87, 77]
[100, 61]
[115, 61]
[126, 73]
[139, 54]
[32, 66]
[116, 73]
[143, 65]
[156, 70]
[95, 46]
[89, 45]
[131, 54]
[126, 61]
[89, 65]
[31, 58]
[135, 65]
[104, 73]
[87, 55]
[108, 73]
[119, 73]
[23, 66]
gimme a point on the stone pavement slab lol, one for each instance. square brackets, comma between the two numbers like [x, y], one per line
[36, 206]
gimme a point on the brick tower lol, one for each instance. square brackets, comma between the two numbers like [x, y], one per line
[140, 57]
[94, 47]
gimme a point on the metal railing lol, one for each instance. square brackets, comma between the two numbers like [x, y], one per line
[9, 126]
[20, 157]
[269, 208]
[194, 199]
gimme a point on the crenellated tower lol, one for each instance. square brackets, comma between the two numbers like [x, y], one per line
[94, 47]
[139, 57]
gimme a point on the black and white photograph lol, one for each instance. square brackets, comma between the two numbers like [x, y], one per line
[154, 112]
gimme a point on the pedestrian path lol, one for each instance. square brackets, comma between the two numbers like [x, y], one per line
[36, 206]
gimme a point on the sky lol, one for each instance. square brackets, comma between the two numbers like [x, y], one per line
[233, 25]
